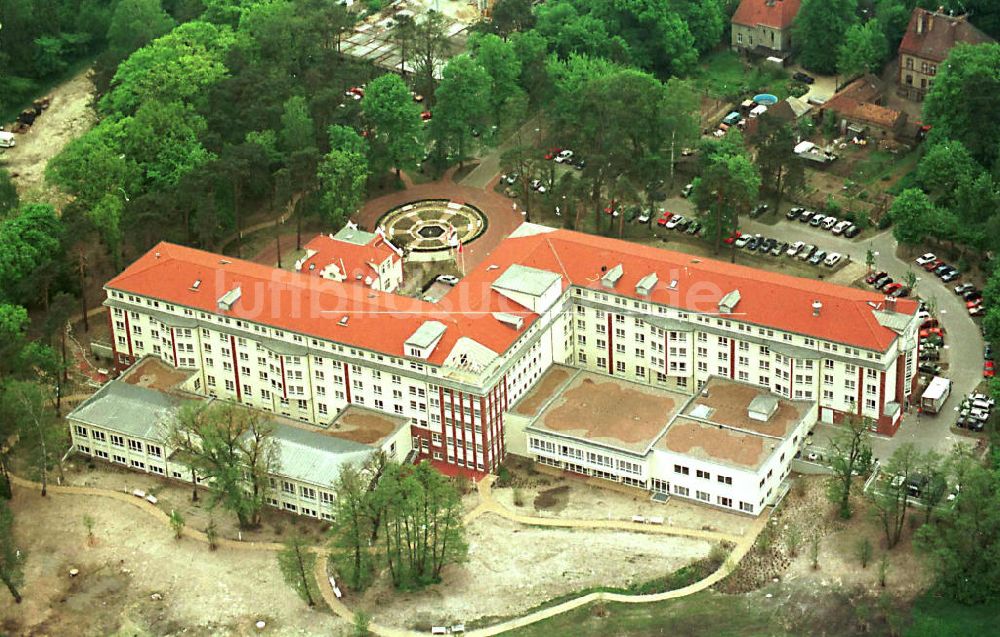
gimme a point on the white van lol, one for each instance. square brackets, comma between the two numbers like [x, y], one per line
[7, 140]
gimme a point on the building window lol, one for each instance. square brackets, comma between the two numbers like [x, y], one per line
[703, 474]
[726, 479]
[726, 502]
[746, 507]
[681, 470]
[81, 431]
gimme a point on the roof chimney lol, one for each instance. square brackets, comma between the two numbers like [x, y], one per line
[890, 304]
[817, 306]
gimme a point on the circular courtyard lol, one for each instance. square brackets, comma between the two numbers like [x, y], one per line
[428, 225]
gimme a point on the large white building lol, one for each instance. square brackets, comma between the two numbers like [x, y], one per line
[307, 348]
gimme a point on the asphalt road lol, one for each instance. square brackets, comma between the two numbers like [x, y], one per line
[963, 340]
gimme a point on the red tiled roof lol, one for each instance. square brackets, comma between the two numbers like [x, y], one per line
[772, 13]
[856, 101]
[382, 322]
[357, 260]
[939, 35]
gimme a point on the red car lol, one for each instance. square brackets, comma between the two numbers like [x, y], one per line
[664, 218]
[930, 266]
[892, 287]
[929, 323]
[973, 303]
[553, 153]
[733, 237]
[932, 331]
[988, 369]
[426, 115]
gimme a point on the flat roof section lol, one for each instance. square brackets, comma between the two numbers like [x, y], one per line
[620, 414]
[152, 373]
[716, 444]
[727, 402]
[547, 386]
[364, 426]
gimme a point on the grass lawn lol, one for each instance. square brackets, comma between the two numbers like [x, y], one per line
[706, 614]
[723, 75]
[937, 616]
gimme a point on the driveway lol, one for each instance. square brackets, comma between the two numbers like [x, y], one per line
[964, 341]
[823, 87]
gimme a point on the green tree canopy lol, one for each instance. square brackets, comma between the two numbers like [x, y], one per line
[819, 29]
[134, 24]
[176, 67]
[343, 173]
[499, 59]
[944, 169]
[863, 51]
[462, 103]
[394, 124]
[965, 94]
[30, 244]
[8, 194]
[912, 215]
[298, 131]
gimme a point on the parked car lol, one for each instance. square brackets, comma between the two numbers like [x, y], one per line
[805, 78]
[564, 156]
[874, 276]
[962, 288]
[447, 279]
[644, 217]
[972, 295]
[664, 219]
[932, 331]
[779, 248]
[901, 291]
[852, 231]
[794, 213]
[989, 369]
[675, 221]
[553, 153]
[950, 276]
[536, 184]
[832, 259]
[817, 220]
[806, 252]
[794, 249]
[805, 216]
[882, 283]
[758, 210]
[752, 243]
[930, 266]
[686, 190]
[987, 351]
[817, 257]
[731, 239]
[930, 368]
[925, 258]
[891, 288]
[694, 227]
[579, 163]
[978, 310]
[941, 269]
[840, 227]
[829, 223]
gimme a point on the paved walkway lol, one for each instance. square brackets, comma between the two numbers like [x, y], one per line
[487, 505]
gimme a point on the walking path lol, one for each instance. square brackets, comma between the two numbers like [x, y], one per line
[487, 505]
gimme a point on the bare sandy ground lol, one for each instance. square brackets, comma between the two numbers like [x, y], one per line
[201, 593]
[69, 116]
[512, 568]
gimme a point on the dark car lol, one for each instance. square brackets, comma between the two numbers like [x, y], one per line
[974, 295]
[987, 351]
[694, 227]
[758, 210]
[805, 78]
[852, 231]
[753, 243]
[948, 277]
[883, 282]
[579, 163]
[930, 355]
[901, 291]
[805, 216]
[794, 213]
[929, 368]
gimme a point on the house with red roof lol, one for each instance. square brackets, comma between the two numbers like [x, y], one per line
[861, 111]
[764, 26]
[929, 38]
[354, 256]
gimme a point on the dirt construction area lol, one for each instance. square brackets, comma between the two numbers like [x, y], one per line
[69, 115]
[512, 568]
[137, 580]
